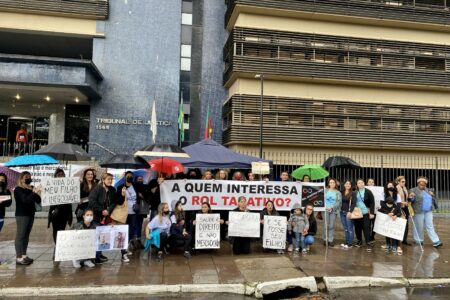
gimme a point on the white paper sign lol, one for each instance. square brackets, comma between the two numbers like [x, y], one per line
[39, 173]
[207, 231]
[384, 225]
[113, 237]
[60, 190]
[75, 245]
[243, 224]
[378, 195]
[260, 167]
[274, 233]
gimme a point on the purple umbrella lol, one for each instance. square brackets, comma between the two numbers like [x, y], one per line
[12, 175]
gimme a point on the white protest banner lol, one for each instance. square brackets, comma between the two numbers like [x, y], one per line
[274, 233]
[75, 245]
[243, 224]
[313, 193]
[113, 237]
[224, 194]
[39, 173]
[384, 225]
[378, 195]
[260, 167]
[207, 231]
[60, 190]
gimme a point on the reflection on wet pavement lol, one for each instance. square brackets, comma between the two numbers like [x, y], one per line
[220, 266]
[436, 293]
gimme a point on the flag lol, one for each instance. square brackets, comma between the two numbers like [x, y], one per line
[208, 125]
[181, 122]
[153, 123]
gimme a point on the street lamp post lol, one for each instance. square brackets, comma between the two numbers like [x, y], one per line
[261, 77]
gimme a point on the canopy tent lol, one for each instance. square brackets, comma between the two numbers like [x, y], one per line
[212, 155]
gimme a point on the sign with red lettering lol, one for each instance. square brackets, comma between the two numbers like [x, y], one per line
[224, 194]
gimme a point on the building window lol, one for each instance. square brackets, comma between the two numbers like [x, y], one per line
[428, 63]
[186, 19]
[185, 64]
[185, 50]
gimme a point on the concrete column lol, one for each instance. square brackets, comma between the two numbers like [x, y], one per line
[56, 127]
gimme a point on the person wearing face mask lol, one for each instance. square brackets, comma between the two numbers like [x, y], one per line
[179, 236]
[162, 224]
[134, 197]
[422, 200]
[27, 198]
[87, 223]
[390, 208]
[5, 199]
[391, 191]
[238, 176]
[59, 215]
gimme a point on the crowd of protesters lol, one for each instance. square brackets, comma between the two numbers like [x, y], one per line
[135, 201]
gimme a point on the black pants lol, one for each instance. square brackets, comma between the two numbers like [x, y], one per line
[241, 245]
[163, 239]
[24, 226]
[372, 226]
[406, 212]
[57, 226]
[363, 226]
[178, 240]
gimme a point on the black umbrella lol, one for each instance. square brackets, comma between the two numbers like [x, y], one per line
[340, 161]
[162, 150]
[125, 161]
[65, 152]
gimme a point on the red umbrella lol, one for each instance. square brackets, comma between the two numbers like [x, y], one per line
[12, 176]
[166, 165]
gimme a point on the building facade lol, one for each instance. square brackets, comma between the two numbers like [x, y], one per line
[89, 71]
[354, 77]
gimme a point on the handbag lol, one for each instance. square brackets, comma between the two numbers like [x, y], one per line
[120, 212]
[356, 213]
[37, 206]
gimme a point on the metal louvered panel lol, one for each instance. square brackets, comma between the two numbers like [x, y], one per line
[87, 9]
[422, 11]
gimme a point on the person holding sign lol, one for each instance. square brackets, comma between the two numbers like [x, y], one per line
[206, 209]
[87, 223]
[269, 210]
[422, 200]
[178, 233]
[87, 184]
[27, 199]
[241, 245]
[298, 224]
[59, 215]
[405, 204]
[333, 202]
[390, 208]
[161, 223]
[364, 200]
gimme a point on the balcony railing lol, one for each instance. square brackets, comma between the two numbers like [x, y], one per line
[421, 11]
[87, 9]
[330, 57]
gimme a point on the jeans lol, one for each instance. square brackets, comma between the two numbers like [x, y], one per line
[299, 239]
[427, 219]
[133, 228]
[347, 224]
[24, 226]
[330, 219]
[1, 224]
[309, 240]
[393, 243]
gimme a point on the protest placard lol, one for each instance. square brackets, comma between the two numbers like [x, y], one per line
[207, 231]
[260, 167]
[378, 195]
[75, 245]
[224, 194]
[313, 193]
[243, 224]
[384, 225]
[112, 237]
[39, 173]
[274, 233]
[61, 190]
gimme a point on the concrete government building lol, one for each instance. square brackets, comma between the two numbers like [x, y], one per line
[365, 77]
[89, 71]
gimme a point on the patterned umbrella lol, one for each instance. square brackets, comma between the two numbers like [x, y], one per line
[12, 176]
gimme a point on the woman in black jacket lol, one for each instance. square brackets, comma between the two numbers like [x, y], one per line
[86, 186]
[5, 197]
[26, 197]
[312, 230]
[59, 215]
[178, 233]
[363, 199]
[389, 207]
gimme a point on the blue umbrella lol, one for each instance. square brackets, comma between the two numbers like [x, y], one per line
[31, 160]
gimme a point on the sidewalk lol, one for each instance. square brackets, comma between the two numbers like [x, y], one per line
[221, 266]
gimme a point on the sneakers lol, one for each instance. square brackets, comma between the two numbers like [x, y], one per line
[290, 248]
[371, 243]
[304, 251]
[437, 244]
[296, 251]
[27, 259]
[331, 244]
[76, 264]
[22, 262]
[308, 248]
[89, 264]
[102, 258]
[343, 245]
[279, 251]
[98, 261]
[160, 256]
[388, 249]
[125, 258]
[358, 244]
[187, 254]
